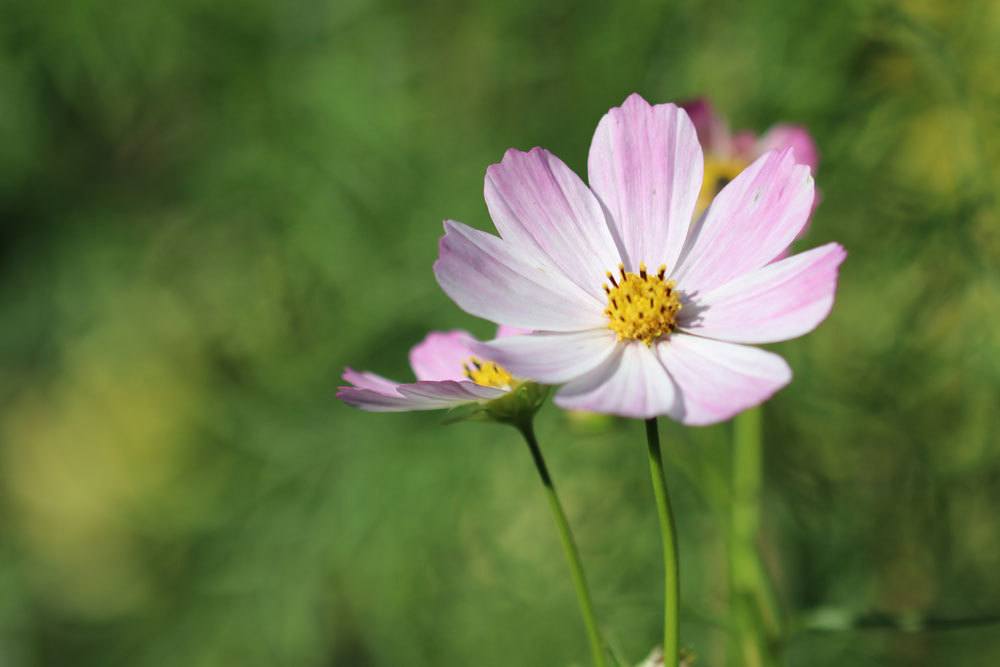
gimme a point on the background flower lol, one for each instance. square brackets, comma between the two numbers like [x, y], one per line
[727, 154]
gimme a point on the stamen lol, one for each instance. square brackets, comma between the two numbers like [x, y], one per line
[489, 374]
[642, 306]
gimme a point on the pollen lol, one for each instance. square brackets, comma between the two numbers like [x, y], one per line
[718, 173]
[641, 306]
[488, 374]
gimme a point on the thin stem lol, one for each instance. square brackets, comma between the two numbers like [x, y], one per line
[569, 548]
[757, 618]
[668, 531]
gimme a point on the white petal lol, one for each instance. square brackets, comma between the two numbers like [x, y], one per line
[551, 358]
[646, 165]
[449, 392]
[537, 201]
[719, 380]
[493, 279]
[372, 381]
[419, 396]
[631, 383]
[751, 222]
[783, 300]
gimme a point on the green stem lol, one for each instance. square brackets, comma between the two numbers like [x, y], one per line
[569, 547]
[668, 531]
[757, 619]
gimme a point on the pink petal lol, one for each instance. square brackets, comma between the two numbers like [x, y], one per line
[780, 301]
[418, 396]
[498, 281]
[744, 146]
[372, 381]
[441, 354]
[504, 330]
[755, 217]
[717, 380]
[551, 358]
[537, 201]
[630, 383]
[713, 132]
[646, 165]
[795, 137]
[448, 393]
[373, 401]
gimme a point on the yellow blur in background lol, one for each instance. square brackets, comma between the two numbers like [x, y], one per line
[210, 208]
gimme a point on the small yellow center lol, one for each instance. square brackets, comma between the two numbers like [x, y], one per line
[718, 172]
[641, 306]
[488, 374]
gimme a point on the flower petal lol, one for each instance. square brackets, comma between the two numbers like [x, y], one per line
[441, 354]
[537, 201]
[718, 380]
[551, 358]
[418, 396]
[713, 132]
[646, 165]
[449, 393]
[372, 381]
[504, 330]
[630, 383]
[373, 401]
[499, 281]
[795, 137]
[780, 301]
[755, 217]
[744, 146]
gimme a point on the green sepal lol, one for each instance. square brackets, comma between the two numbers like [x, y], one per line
[466, 412]
[515, 407]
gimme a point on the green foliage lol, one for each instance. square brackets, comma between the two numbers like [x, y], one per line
[210, 208]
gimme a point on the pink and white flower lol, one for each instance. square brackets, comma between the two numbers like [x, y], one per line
[728, 153]
[634, 310]
[449, 372]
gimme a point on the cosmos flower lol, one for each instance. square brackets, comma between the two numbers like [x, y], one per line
[634, 310]
[728, 153]
[449, 374]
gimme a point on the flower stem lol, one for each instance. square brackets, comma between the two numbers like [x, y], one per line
[757, 622]
[668, 531]
[569, 547]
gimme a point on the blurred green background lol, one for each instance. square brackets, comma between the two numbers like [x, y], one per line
[210, 207]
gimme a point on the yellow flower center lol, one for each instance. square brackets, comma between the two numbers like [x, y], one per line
[718, 172]
[488, 374]
[641, 306]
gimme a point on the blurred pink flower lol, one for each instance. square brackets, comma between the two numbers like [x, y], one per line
[642, 342]
[449, 374]
[727, 154]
